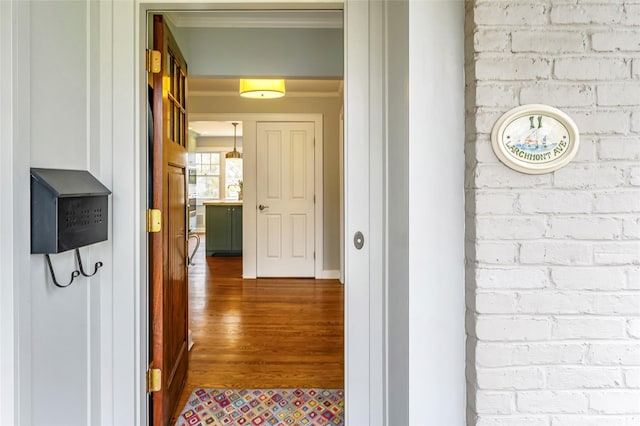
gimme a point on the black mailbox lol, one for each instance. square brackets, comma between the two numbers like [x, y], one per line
[68, 210]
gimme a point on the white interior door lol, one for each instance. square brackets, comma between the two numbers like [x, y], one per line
[285, 199]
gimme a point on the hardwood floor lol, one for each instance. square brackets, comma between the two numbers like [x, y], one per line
[263, 333]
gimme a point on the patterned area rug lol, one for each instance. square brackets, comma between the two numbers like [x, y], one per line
[252, 407]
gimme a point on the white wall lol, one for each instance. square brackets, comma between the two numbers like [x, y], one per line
[9, 311]
[425, 199]
[55, 117]
[436, 212]
[554, 259]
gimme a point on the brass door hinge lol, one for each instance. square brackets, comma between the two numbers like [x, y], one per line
[154, 380]
[154, 220]
[154, 61]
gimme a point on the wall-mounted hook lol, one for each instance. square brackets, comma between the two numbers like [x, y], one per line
[74, 274]
[97, 266]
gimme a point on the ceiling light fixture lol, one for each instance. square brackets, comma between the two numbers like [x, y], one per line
[261, 88]
[234, 153]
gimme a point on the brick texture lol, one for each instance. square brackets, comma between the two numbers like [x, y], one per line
[553, 275]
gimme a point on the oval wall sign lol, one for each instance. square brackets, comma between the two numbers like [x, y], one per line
[535, 139]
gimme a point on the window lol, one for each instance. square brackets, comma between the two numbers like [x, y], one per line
[205, 166]
[212, 176]
[233, 178]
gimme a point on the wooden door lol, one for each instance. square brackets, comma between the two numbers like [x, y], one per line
[286, 197]
[168, 248]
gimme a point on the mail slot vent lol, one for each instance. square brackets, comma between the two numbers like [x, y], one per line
[77, 218]
[69, 209]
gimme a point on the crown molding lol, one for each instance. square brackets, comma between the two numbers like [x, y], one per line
[259, 19]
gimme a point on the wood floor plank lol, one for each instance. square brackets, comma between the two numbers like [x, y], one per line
[262, 333]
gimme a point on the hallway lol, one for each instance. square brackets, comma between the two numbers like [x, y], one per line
[264, 333]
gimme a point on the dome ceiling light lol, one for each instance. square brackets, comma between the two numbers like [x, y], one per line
[262, 88]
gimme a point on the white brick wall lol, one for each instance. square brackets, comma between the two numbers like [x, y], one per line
[553, 281]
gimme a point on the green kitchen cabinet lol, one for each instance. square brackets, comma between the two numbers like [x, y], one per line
[224, 230]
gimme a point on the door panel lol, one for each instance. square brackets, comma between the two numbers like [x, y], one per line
[298, 235]
[175, 307]
[274, 234]
[168, 248]
[299, 172]
[274, 164]
[285, 188]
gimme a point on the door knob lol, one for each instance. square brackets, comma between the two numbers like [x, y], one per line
[262, 207]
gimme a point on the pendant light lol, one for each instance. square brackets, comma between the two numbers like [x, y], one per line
[234, 153]
[261, 88]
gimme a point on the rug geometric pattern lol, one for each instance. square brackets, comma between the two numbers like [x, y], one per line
[268, 407]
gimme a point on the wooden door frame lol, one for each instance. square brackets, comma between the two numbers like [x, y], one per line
[249, 151]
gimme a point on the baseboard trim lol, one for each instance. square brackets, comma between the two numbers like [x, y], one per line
[329, 274]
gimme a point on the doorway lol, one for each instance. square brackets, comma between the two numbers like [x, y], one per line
[301, 137]
[327, 191]
[213, 279]
[364, 325]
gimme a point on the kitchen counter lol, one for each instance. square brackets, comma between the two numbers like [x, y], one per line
[222, 203]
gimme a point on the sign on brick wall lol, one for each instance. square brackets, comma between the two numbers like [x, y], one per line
[535, 139]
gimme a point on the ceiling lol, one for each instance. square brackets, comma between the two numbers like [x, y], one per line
[214, 128]
[230, 87]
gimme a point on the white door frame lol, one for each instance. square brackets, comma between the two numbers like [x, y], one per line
[250, 161]
[364, 211]
[364, 186]
[9, 128]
